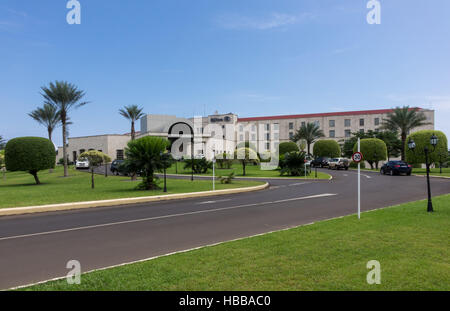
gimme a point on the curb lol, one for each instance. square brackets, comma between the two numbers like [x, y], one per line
[432, 176]
[115, 202]
[244, 177]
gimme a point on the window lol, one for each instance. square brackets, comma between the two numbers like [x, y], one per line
[361, 131]
[332, 134]
[361, 122]
[82, 150]
[303, 123]
[291, 125]
[119, 154]
[291, 135]
[332, 123]
[241, 128]
[253, 128]
[276, 126]
[276, 136]
[253, 137]
[347, 122]
[267, 146]
[377, 121]
[74, 156]
[267, 136]
[348, 133]
[317, 123]
[267, 127]
[241, 137]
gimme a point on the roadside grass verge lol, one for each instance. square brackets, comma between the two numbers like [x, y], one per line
[250, 171]
[433, 171]
[410, 244]
[19, 190]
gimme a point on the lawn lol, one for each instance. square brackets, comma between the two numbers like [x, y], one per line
[411, 245]
[18, 189]
[250, 170]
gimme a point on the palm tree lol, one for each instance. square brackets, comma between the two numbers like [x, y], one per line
[2, 143]
[403, 120]
[64, 97]
[47, 116]
[132, 113]
[309, 132]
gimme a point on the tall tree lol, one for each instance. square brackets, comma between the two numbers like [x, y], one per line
[132, 113]
[64, 97]
[309, 132]
[403, 120]
[47, 116]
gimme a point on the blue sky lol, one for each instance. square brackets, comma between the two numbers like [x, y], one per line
[250, 57]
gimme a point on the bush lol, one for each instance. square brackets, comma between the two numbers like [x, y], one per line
[201, 166]
[30, 154]
[373, 150]
[355, 165]
[327, 148]
[245, 156]
[145, 155]
[422, 140]
[287, 147]
[225, 161]
[227, 179]
[293, 164]
[95, 158]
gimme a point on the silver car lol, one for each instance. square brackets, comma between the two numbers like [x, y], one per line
[338, 163]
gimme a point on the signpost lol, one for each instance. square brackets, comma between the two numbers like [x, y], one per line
[214, 173]
[357, 157]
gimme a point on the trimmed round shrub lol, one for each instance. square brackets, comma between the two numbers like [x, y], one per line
[373, 150]
[288, 146]
[327, 148]
[422, 140]
[30, 154]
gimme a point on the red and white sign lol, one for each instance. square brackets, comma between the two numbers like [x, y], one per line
[357, 157]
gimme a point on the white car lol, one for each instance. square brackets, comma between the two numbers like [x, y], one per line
[338, 163]
[82, 163]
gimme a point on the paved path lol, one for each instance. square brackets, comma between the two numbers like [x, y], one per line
[37, 247]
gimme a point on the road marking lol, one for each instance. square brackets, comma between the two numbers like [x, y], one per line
[211, 202]
[164, 216]
[298, 184]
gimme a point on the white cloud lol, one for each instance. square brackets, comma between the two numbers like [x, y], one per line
[274, 20]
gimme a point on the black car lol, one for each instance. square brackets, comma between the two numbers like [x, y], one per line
[116, 167]
[320, 162]
[396, 168]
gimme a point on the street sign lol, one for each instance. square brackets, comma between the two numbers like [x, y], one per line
[357, 157]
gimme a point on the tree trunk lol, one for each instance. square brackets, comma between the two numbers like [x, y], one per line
[133, 136]
[106, 169]
[50, 138]
[36, 178]
[309, 147]
[243, 168]
[92, 177]
[403, 146]
[64, 149]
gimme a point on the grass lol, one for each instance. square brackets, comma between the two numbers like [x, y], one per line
[19, 189]
[250, 170]
[410, 244]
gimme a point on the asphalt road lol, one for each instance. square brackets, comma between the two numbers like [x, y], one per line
[37, 247]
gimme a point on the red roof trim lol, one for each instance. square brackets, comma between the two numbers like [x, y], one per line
[318, 115]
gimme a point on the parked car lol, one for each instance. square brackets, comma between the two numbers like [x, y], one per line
[115, 167]
[338, 163]
[82, 163]
[320, 162]
[396, 168]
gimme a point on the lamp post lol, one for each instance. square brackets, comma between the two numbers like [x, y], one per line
[412, 146]
[164, 158]
[214, 172]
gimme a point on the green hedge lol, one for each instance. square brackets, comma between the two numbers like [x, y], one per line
[30, 154]
[287, 147]
[422, 139]
[373, 149]
[327, 148]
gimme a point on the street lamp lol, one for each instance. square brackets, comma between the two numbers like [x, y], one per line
[412, 146]
[165, 160]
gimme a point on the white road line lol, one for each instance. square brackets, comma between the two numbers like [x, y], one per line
[298, 184]
[163, 217]
[211, 202]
